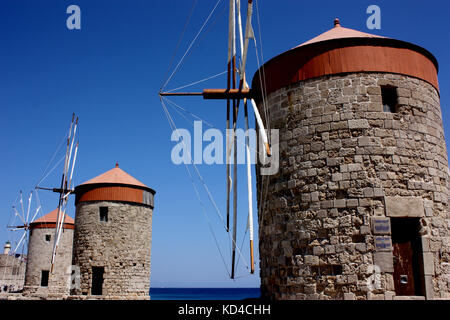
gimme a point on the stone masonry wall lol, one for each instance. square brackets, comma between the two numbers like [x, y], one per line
[12, 271]
[39, 258]
[121, 245]
[344, 163]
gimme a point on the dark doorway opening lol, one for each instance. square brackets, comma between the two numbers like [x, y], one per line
[97, 280]
[44, 278]
[407, 251]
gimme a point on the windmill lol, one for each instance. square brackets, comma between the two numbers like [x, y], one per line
[233, 94]
[24, 216]
[25, 220]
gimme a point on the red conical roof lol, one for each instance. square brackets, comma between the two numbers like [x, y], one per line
[52, 217]
[339, 32]
[342, 51]
[116, 176]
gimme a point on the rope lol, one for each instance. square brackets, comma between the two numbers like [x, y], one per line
[179, 40]
[188, 112]
[197, 82]
[51, 159]
[261, 75]
[173, 126]
[48, 173]
[262, 78]
[190, 45]
[242, 244]
[240, 143]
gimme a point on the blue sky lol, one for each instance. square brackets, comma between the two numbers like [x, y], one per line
[109, 74]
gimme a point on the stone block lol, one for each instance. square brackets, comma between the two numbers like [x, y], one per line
[374, 90]
[425, 244]
[428, 211]
[401, 92]
[315, 196]
[333, 144]
[369, 141]
[364, 230]
[376, 105]
[428, 263]
[349, 296]
[384, 260]
[352, 279]
[429, 289]
[340, 203]
[408, 298]
[378, 192]
[329, 249]
[368, 192]
[311, 260]
[336, 176]
[352, 167]
[361, 247]
[358, 124]
[389, 295]
[352, 203]
[404, 207]
[331, 162]
[318, 250]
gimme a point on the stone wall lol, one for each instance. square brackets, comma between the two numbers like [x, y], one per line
[12, 271]
[121, 245]
[343, 164]
[39, 259]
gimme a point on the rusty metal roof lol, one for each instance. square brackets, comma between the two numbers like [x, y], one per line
[339, 32]
[115, 176]
[342, 50]
[52, 217]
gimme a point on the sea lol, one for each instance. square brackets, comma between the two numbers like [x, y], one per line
[204, 293]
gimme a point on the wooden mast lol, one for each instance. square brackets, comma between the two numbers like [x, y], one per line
[234, 138]
[65, 190]
[243, 85]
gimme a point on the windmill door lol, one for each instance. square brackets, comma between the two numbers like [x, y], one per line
[97, 280]
[407, 252]
[403, 269]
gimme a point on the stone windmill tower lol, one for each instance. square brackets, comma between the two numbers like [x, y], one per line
[358, 209]
[39, 280]
[112, 241]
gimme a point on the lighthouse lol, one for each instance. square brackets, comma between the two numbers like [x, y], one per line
[358, 208]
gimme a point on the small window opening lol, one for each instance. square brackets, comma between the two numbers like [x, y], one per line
[389, 98]
[48, 237]
[104, 214]
[44, 278]
[15, 271]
